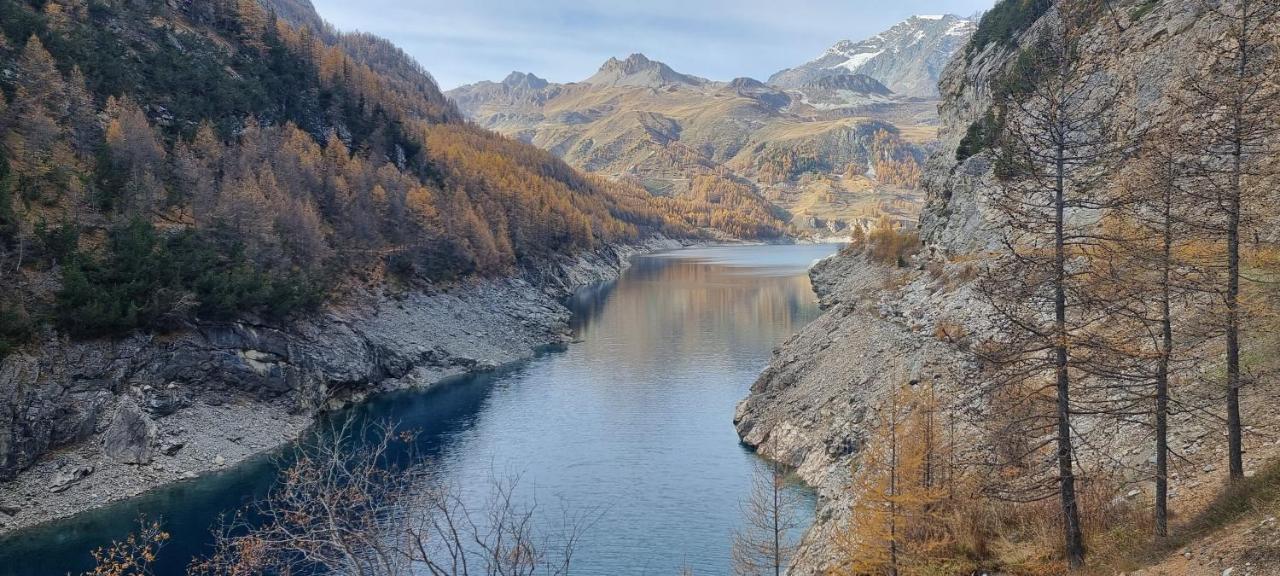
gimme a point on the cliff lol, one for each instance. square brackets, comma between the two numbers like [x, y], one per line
[817, 403]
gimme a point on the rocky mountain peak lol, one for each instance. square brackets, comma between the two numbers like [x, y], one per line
[639, 70]
[852, 82]
[908, 58]
[524, 80]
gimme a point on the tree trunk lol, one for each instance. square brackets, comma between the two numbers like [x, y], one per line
[1066, 475]
[1162, 377]
[1235, 449]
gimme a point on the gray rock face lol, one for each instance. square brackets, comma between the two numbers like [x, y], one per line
[814, 405]
[68, 478]
[131, 435]
[1153, 51]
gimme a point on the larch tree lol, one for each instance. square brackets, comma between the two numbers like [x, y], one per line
[137, 157]
[766, 543]
[901, 482]
[1141, 275]
[1233, 104]
[1059, 112]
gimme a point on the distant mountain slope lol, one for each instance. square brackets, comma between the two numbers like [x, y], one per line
[907, 58]
[840, 150]
[296, 12]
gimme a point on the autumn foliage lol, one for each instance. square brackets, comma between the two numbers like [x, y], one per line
[256, 161]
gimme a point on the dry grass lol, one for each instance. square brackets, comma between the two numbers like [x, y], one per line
[1254, 496]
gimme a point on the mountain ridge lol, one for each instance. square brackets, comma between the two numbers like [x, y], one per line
[908, 58]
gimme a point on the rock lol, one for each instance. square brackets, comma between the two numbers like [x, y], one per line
[219, 460]
[130, 436]
[172, 448]
[10, 510]
[167, 402]
[1228, 571]
[65, 480]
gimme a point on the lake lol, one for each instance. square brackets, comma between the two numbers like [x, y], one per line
[633, 422]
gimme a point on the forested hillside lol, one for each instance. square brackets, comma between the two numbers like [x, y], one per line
[161, 161]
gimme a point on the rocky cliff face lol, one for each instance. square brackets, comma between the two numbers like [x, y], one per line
[149, 409]
[815, 404]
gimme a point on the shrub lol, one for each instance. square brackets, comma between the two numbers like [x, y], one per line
[980, 136]
[889, 244]
[1004, 22]
[15, 326]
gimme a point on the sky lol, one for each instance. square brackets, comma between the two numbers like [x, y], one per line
[465, 41]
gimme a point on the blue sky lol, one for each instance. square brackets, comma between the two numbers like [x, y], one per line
[463, 41]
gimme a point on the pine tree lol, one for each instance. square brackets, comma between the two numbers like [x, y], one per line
[1233, 105]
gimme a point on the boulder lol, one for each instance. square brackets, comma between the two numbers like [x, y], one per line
[66, 479]
[131, 435]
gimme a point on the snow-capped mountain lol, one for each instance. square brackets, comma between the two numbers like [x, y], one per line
[907, 58]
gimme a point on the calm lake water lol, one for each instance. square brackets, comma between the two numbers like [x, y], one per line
[634, 420]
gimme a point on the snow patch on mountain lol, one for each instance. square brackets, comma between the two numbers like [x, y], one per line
[908, 58]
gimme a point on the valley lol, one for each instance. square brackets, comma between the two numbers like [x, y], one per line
[835, 144]
[971, 295]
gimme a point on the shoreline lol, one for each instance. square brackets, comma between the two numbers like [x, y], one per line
[492, 324]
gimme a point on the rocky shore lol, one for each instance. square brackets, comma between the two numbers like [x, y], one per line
[84, 424]
[815, 405]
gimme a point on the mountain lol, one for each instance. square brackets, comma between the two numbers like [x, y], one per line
[637, 70]
[296, 12]
[908, 58]
[841, 150]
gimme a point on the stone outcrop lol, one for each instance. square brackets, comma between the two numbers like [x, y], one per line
[131, 436]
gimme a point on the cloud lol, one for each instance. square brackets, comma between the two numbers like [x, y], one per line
[463, 41]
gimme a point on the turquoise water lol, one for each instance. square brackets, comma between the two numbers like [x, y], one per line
[632, 422]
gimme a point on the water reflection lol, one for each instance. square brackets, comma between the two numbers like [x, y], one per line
[634, 420]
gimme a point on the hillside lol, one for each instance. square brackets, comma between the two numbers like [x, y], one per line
[191, 127]
[827, 154]
[207, 205]
[929, 363]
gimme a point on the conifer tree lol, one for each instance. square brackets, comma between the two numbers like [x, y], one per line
[1233, 105]
[1059, 136]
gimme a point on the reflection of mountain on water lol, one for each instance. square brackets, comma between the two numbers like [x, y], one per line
[707, 300]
